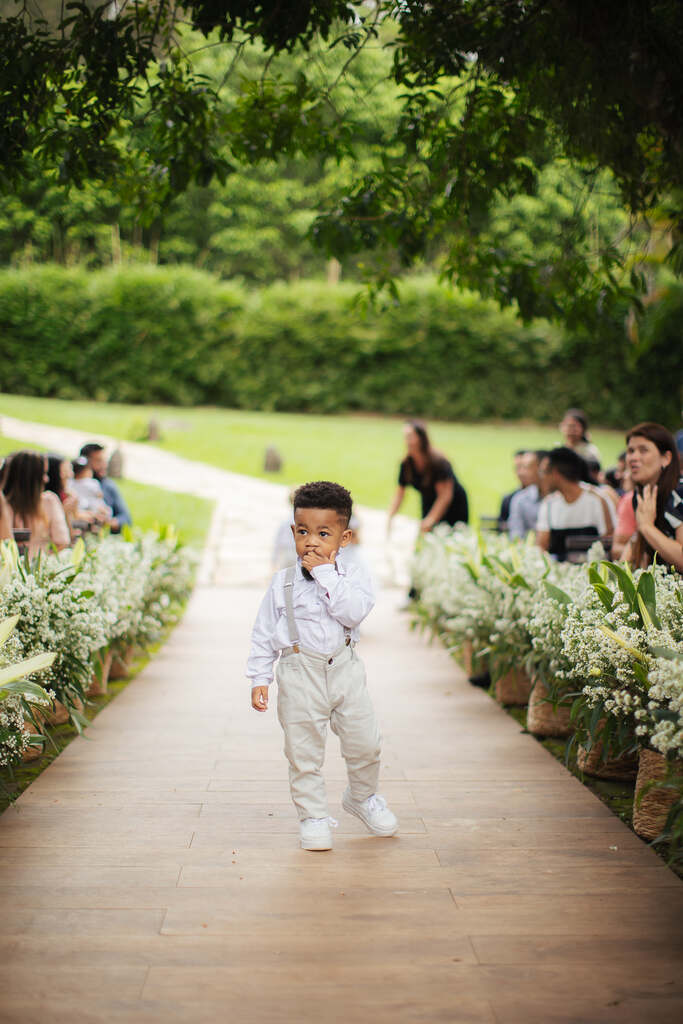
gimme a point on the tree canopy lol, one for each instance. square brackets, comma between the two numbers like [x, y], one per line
[493, 93]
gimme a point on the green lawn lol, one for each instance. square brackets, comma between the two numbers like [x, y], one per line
[361, 451]
[152, 505]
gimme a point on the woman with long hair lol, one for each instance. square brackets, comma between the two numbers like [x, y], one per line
[652, 460]
[31, 507]
[5, 514]
[443, 498]
[59, 481]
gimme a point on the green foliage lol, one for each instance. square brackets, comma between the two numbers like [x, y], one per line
[126, 335]
[252, 223]
[484, 98]
[182, 337]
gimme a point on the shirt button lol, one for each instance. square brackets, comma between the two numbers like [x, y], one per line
[330, 661]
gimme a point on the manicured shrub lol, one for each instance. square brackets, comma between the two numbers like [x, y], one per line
[180, 336]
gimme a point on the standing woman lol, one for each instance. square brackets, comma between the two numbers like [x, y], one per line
[574, 430]
[443, 498]
[653, 462]
[32, 508]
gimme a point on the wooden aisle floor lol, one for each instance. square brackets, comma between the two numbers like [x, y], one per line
[152, 873]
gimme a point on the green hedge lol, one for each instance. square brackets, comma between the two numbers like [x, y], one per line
[180, 336]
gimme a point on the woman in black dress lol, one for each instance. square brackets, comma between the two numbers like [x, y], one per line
[443, 498]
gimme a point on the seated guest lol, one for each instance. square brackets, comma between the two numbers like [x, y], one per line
[596, 478]
[94, 453]
[59, 475]
[653, 462]
[626, 526]
[571, 506]
[5, 514]
[615, 476]
[504, 514]
[31, 507]
[88, 493]
[574, 430]
[525, 503]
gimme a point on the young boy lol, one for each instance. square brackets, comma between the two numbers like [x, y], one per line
[309, 618]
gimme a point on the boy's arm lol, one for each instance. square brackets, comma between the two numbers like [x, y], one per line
[263, 651]
[348, 597]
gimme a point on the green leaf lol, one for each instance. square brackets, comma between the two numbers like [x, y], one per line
[22, 688]
[640, 672]
[557, 593]
[605, 594]
[666, 652]
[6, 627]
[517, 580]
[624, 579]
[647, 600]
[38, 663]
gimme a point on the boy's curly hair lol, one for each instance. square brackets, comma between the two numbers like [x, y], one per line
[324, 494]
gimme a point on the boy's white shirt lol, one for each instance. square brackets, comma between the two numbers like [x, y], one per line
[336, 597]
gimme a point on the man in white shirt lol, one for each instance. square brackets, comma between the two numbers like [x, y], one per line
[572, 508]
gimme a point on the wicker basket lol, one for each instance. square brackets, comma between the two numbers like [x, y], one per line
[119, 667]
[514, 687]
[58, 716]
[542, 719]
[98, 684]
[466, 653]
[620, 769]
[31, 753]
[650, 813]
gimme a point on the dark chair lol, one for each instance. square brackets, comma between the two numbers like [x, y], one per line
[21, 538]
[492, 524]
[579, 544]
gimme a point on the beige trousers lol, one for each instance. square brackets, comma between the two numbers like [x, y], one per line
[314, 689]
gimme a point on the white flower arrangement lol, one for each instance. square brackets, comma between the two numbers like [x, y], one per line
[611, 638]
[117, 592]
[18, 697]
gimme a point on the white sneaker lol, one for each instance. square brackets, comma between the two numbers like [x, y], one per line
[316, 834]
[373, 812]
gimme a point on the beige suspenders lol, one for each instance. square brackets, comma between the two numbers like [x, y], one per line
[289, 609]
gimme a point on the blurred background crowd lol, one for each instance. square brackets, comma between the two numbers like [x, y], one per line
[48, 501]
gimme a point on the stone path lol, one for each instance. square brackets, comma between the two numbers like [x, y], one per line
[152, 872]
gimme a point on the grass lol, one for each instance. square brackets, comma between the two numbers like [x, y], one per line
[153, 505]
[361, 451]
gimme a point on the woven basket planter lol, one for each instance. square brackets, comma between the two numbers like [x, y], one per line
[120, 666]
[58, 716]
[98, 684]
[514, 687]
[542, 719]
[620, 769]
[31, 753]
[650, 813]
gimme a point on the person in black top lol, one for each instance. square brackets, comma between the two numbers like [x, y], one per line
[443, 498]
